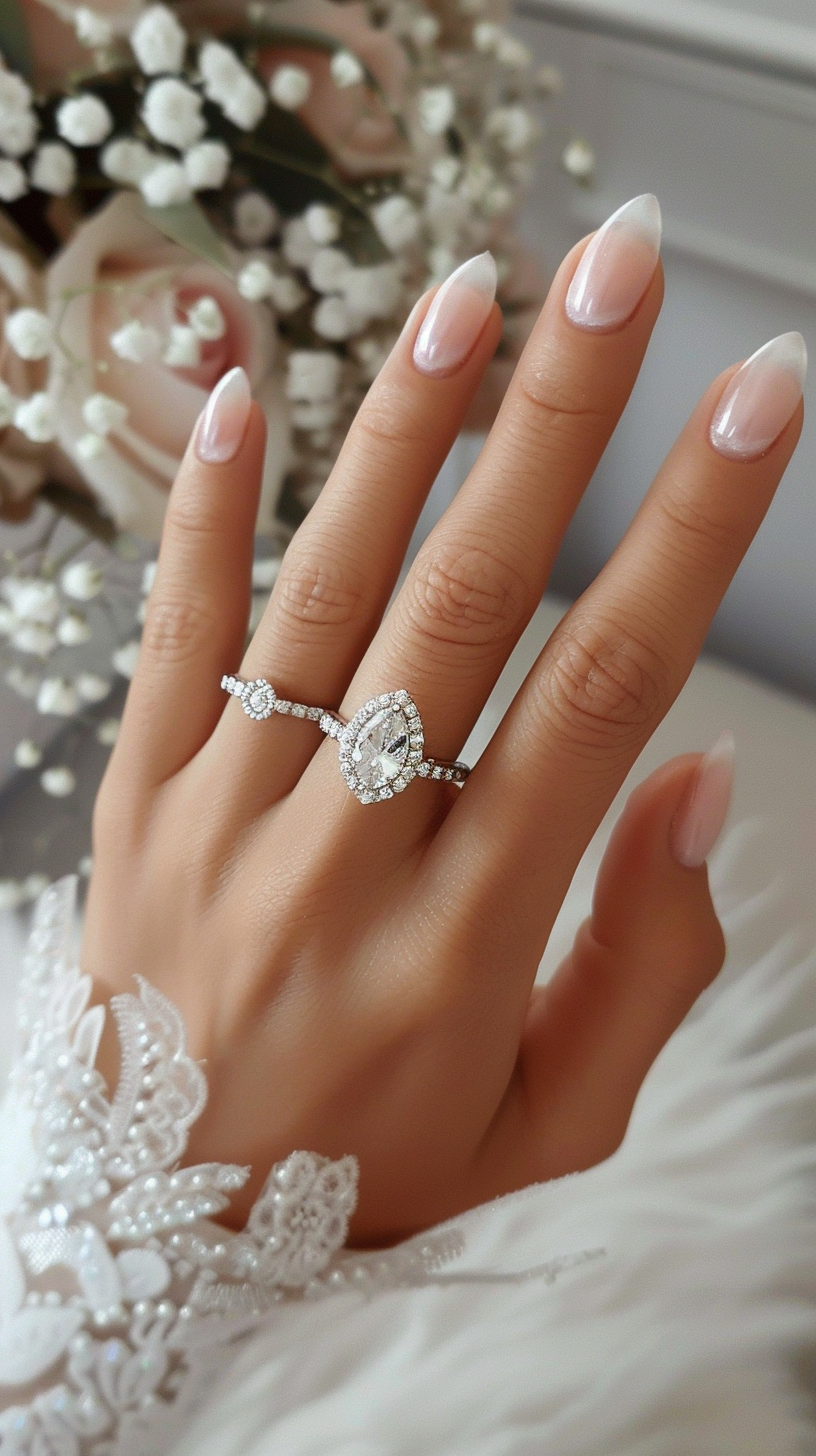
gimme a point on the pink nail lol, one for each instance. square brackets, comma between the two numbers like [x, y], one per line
[222, 425]
[698, 822]
[758, 402]
[617, 266]
[456, 317]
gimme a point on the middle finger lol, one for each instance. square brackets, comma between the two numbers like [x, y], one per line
[480, 574]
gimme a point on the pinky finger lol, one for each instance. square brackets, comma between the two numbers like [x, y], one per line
[650, 947]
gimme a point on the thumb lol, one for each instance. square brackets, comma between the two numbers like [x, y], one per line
[651, 945]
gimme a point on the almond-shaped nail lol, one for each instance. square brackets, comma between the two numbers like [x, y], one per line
[758, 401]
[617, 266]
[456, 317]
[699, 820]
[222, 425]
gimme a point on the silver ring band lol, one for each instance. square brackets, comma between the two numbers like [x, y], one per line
[382, 748]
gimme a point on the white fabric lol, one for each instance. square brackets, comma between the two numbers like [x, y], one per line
[691, 1332]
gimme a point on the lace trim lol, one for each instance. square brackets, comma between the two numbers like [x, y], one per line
[117, 1291]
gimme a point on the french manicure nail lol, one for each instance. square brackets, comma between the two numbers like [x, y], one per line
[222, 425]
[698, 822]
[759, 400]
[617, 266]
[456, 317]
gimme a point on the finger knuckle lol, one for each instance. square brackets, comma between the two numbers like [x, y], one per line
[193, 516]
[389, 419]
[176, 628]
[312, 593]
[550, 391]
[693, 528]
[601, 682]
[465, 595]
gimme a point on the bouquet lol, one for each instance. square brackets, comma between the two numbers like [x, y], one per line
[186, 188]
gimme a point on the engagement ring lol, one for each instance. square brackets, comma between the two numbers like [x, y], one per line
[381, 750]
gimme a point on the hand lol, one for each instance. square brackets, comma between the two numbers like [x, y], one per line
[359, 977]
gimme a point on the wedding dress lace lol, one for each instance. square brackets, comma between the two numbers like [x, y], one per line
[118, 1293]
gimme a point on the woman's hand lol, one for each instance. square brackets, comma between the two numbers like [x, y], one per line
[359, 977]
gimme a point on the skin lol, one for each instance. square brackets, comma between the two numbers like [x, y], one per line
[359, 979]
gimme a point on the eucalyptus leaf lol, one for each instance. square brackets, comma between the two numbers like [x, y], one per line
[81, 510]
[14, 40]
[187, 224]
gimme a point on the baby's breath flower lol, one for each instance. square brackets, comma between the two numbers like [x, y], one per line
[396, 220]
[486, 36]
[334, 320]
[290, 86]
[33, 637]
[318, 416]
[322, 223]
[298, 246]
[511, 52]
[373, 292]
[165, 185]
[230, 85]
[446, 172]
[54, 169]
[286, 293]
[92, 30]
[25, 684]
[254, 219]
[206, 318]
[313, 374]
[27, 754]
[82, 581]
[84, 120]
[328, 268]
[437, 108]
[57, 697]
[127, 161]
[31, 598]
[85, 866]
[59, 781]
[18, 122]
[183, 349]
[91, 687]
[206, 165]
[90, 446]
[424, 31]
[578, 159]
[13, 181]
[36, 418]
[107, 732]
[73, 629]
[33, 886]
[102, 414]
[158, 41]
[511, 126]
[172, 112]
[135, 341]
[255, 280]
[345, 69]
[29, 332]
[124, 659]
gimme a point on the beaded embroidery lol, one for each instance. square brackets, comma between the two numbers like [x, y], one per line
[117, 1292]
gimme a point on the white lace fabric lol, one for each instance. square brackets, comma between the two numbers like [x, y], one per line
[118, 1293]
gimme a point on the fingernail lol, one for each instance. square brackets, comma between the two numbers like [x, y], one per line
[758, 402]
[617, 266]
[456, 317]
[698, 822]
[222, 425]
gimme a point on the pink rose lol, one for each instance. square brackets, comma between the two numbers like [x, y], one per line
[118, 268]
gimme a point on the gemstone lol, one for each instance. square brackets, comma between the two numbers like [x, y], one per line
[258, 699]
[377, 755]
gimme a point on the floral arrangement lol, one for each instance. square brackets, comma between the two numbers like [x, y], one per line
[185, 188]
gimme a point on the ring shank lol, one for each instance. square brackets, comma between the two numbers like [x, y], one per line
[332, 724]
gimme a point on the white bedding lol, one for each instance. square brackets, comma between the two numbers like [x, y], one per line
[692, 1332]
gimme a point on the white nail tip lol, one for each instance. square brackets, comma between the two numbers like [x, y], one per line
[787, 351]
[479, 272]
[641, 214]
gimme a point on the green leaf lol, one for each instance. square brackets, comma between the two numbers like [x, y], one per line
[185, 223]
[14, 41]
